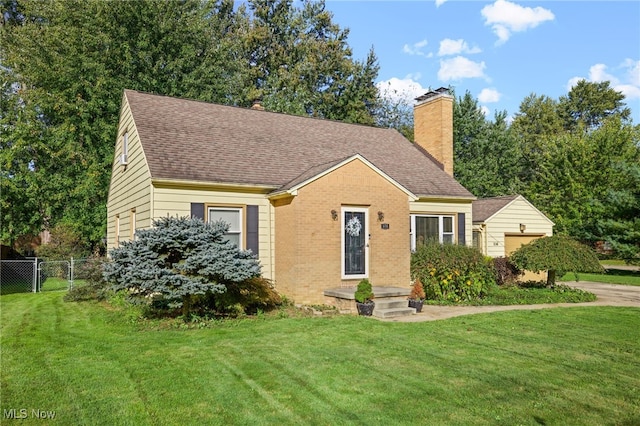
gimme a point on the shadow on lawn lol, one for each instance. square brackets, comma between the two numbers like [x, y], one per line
[622, 272]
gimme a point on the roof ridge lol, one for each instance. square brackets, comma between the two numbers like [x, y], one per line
[331, 120]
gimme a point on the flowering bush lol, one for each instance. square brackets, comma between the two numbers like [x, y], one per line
[452, 273]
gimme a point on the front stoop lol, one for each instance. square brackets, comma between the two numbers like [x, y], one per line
[390, 301]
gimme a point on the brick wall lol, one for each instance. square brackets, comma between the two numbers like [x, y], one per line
[308, 239]
[433, 128]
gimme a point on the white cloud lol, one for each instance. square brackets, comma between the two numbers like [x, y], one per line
[440, 2]
[460, 67]
[633, 71]
[625, 78]
[454, 47]
[489, 95]
[506, 18]
[485, 110]
[401, 89]
[416, 48]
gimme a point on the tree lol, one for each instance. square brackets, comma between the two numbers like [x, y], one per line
[64, 65]
[486, 156]
[579, 161]
[395, 111]
[301, 63]
[178, 259]
[589, 104]
[557, 255]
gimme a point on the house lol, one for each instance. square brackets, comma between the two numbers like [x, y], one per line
[502, 224]
[322, 203]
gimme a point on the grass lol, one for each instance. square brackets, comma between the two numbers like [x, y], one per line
[523, 295]
[612, 276]
[92, 365]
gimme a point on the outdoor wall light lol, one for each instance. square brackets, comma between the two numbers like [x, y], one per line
[523, 227]
[334, 215]
[380, 216]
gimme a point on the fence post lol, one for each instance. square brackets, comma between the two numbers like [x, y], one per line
[71, 275]
[35, 275]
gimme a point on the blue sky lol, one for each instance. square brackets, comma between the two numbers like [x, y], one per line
[500, 51]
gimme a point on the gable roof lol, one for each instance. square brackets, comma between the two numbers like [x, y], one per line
[187, 140]
[324, 169]
[485, 208]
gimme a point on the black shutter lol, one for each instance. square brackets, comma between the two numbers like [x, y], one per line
[461, 229]
[252, 229]
[197, 210]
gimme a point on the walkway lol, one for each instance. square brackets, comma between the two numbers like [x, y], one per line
[607, 295]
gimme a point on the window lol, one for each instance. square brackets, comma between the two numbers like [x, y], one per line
[117, 242]
[125, 144]
[477, 240]
[426, 227]
[232, 216]
[132, 225]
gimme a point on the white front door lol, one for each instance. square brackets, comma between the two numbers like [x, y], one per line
[355, 242]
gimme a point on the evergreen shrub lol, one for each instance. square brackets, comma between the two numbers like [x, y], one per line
[364, 291]
[184, 263]
[451, 272]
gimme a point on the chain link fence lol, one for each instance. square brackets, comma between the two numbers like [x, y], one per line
[36, 275]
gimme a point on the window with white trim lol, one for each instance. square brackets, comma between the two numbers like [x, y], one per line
[125, 143]
[232, 216]
[132, 225]
[431, 227]
[117, 226]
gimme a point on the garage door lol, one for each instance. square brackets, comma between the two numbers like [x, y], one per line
[513, 243]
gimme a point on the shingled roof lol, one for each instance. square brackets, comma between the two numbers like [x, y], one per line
[189, 140]
[484, 208]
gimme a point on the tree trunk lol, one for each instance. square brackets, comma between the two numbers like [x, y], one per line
[551, 278]
[186, 307]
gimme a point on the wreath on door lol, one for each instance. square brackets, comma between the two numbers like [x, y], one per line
[353, 227]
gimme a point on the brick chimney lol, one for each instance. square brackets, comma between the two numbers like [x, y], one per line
[433, 125]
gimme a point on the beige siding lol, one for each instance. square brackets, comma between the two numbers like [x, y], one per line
[446, 208]
[507, 221]
[130, 186]
[176, 201]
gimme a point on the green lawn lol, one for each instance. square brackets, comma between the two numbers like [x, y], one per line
[92, 365]
[612, 276]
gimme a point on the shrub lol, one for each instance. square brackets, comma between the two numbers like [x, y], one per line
[417, 290]
[364, 292]
[246, 297]
[65, 243]
[506, 273]
[558, 255]
[451, 272]
[95, 287]
[179, 262]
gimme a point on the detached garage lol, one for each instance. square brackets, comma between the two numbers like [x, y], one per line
[503, 224]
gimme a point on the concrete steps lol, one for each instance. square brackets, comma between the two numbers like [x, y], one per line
[390, 301]
[391, 307]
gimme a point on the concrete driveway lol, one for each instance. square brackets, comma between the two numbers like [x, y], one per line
[607, 295]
